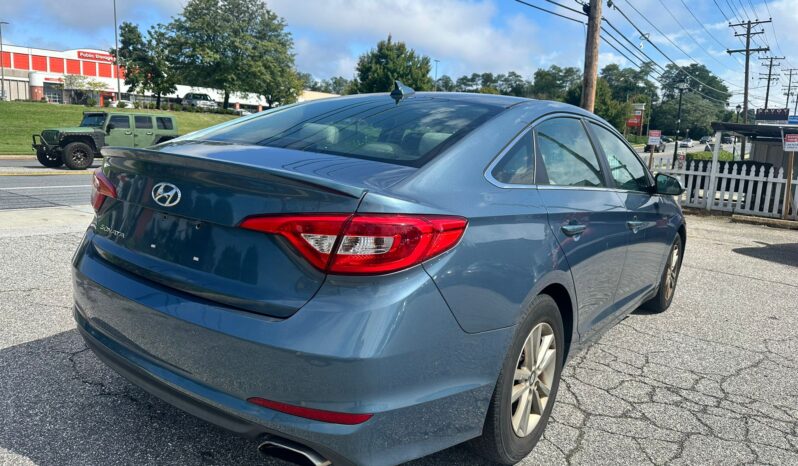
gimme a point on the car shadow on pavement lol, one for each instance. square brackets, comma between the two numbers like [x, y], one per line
[62, 406]
[784, 253]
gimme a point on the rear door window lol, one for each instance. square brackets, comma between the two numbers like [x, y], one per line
[408, 133]
[120, 121]
[567, 157]
[164, 123]
[143, 122]
[518, 164]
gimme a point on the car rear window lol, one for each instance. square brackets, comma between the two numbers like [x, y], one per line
[164, 123]
[408, 133]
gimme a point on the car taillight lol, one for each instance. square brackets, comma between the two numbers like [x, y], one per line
[101, 188]
[364, 243]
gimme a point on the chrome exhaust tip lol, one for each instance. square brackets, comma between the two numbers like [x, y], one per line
[292, 452]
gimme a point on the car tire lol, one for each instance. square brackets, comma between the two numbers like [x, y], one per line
[78, 155]
[49, 160]
[670, 276]
[505, 438]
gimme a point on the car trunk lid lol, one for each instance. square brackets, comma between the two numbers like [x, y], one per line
[195, 244]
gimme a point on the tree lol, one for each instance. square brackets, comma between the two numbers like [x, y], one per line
[235, 46]
[445, 84]
[147, 62]
[699, 78]
[614, 111]
[378, 68]
[626, 83]
[552, 84]
[513, 84]
[697, 115]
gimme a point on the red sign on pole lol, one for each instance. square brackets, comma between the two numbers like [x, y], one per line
[635, 120]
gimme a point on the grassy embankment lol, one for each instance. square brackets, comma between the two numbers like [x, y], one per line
[19, 120]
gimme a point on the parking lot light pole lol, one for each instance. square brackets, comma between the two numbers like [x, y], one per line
[2, 65]
[681, 87]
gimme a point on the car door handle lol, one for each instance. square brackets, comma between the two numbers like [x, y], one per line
[128, 132]
[634, 225]
[149, 133]
[573, 230]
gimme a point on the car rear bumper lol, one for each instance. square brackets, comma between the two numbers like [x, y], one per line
[391, 348]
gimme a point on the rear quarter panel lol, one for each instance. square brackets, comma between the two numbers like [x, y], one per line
[508, 253]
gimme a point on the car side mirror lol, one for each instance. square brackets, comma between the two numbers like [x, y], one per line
[667, 185]
[109, 128]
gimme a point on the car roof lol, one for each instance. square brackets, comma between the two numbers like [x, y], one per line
[485, 99]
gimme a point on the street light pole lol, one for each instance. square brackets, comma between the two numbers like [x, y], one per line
[116, 57]
[2, 66]
[681, 87]
[436, 73]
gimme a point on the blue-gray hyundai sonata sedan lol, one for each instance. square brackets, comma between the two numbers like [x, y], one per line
[370, 279]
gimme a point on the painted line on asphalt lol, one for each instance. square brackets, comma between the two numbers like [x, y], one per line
[47, 174]
[47, 187]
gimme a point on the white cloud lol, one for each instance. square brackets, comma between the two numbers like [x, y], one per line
[466, 36]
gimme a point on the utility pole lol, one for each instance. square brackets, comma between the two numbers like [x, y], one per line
[790, 72]
[770, 78]
[2, 66]
[591, 55]
[747, 51]
[436, 73]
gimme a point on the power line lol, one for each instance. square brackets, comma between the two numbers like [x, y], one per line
[686, 31]
[617, 8]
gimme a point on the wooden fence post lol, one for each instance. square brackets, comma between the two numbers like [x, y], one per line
[709, 194]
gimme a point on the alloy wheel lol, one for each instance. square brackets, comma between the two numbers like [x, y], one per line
[672, 273]
[533, 379]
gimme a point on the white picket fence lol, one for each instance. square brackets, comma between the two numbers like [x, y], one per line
[738, 188]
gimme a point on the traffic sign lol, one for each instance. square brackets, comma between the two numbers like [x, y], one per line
[791, 143]
[654, 136]
[792, 120]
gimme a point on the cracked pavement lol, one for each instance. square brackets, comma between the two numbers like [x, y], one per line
[710, 381]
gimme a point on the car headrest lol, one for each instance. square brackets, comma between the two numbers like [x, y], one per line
[316, 133]
[430, 140]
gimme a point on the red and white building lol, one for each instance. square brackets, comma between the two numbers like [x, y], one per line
[32, 73]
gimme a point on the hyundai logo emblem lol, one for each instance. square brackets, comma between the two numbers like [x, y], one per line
[166, 194]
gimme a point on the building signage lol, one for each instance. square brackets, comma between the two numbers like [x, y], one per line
[791, 143]
[635, 120]
[772, 114]
[792, 120]
[654, 137]
[98, 56]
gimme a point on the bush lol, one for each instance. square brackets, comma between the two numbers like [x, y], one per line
[91, 102]
[723, 156]
[121, 104]
[137, 104]
[106, 103]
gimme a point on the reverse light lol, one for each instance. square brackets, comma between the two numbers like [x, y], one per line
[101, 188]
[364, 243]
[331, 417]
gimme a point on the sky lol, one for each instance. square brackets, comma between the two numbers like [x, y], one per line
[465, 36]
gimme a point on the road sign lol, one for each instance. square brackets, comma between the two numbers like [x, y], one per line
[654, 136]
[791, 143]
[792, 120]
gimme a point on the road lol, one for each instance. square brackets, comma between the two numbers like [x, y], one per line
[710, 381]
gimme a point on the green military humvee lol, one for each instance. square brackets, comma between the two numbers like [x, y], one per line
[76, 147]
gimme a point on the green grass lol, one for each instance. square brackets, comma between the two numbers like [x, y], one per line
[19, 120]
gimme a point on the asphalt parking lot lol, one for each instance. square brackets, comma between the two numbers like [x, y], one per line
[710, 381]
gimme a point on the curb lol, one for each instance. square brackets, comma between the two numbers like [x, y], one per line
[82, 172]
[17, 157]
[770, 222]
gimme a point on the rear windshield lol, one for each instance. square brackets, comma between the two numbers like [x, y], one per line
[408, 133]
